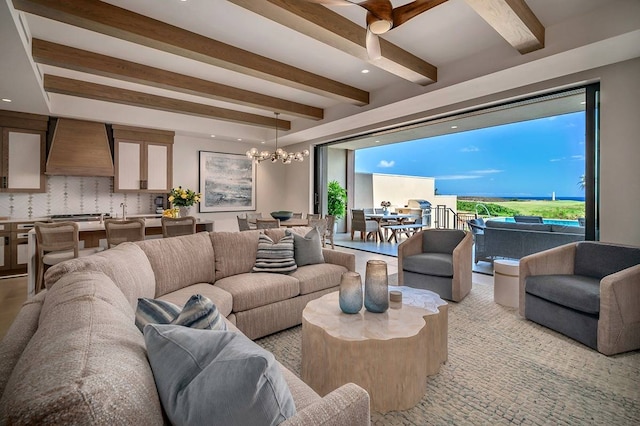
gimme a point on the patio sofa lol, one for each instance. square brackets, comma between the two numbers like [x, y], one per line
[75, 356]
[516, 240]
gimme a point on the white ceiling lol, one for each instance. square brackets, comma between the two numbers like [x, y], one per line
[472, 60]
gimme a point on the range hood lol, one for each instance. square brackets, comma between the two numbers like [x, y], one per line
[79, 148]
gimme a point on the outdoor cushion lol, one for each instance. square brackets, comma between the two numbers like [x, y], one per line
[598, 260]
[521, 226]
[441, 240]
[566, 229]
[216, 377]
[258, 289]
[437, 264]
[573, 291]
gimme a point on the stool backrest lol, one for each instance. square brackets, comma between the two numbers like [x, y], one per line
[176, 226]
[58, 236]
[120, 231]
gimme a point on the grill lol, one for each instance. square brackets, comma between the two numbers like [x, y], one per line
[424, 207]
[79, 217]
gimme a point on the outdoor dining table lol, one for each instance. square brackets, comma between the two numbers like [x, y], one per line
[382, 217]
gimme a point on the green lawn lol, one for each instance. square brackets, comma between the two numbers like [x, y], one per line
[545, 208]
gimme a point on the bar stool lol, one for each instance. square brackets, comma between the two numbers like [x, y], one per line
[120, 231]
[176, 226]
[55, 243]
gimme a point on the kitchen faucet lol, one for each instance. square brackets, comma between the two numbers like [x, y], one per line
[124, 211]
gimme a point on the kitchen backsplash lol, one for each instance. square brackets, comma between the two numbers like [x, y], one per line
[72, 195]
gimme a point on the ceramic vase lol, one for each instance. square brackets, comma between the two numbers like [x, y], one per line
[376, 287]
[350, 293]
[184, 211]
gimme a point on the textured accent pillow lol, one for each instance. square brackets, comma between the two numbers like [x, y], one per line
[221, 377]
[307, 250]
[198, 312]
[275, 257]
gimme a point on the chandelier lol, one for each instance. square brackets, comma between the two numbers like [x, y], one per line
[278, 154]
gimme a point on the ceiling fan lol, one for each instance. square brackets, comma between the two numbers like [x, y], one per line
[382, 17]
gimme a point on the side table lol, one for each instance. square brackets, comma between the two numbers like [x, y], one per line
[506, 274]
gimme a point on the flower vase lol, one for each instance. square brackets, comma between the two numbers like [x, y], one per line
[376, 287]
[385, 210]
[350, 293]
[184, 211]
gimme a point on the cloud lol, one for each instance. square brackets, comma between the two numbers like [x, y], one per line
[486, 171]
[577, 157]
[457, 177]
[554, 160]
[470, 148]
[386, 164]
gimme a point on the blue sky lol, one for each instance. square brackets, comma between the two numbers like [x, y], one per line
[527, 159]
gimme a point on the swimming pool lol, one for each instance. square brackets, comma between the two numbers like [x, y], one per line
[562, 222]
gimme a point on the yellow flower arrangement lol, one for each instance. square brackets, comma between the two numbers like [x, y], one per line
[180, 197]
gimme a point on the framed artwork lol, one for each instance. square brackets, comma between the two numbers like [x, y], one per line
[227, 182]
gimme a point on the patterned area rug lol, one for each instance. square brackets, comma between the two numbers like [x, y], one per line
[503, 369]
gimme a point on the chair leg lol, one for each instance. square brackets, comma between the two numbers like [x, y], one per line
[40, 277]
[352, 232]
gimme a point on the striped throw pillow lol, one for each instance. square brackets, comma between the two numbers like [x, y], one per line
[199, 312]
[275, 257]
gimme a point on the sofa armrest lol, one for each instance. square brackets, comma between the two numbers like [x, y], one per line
[347, 405]
[555, 261]
[409, 247]
[348, 260]
[462, 254]
[619, 323]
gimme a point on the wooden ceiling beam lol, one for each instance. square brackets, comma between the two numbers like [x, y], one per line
[48, 53]
[98, 16]
[514, 21]
[100, 92]
[322, 24]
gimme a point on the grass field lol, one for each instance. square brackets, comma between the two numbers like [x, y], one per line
[545, 208]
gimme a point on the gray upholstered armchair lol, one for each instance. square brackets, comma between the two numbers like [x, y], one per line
[438, 260]
[588, 291]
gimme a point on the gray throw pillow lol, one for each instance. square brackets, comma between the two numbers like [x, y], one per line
[198, 312]
[307, 250]
[216, 377]
[275, 257]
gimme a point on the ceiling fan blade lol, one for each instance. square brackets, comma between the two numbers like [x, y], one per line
[402, 14]
[373, 46]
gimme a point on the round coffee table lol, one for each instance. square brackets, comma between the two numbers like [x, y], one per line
[389, 354]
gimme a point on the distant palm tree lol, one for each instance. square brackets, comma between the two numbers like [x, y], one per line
[582, 182]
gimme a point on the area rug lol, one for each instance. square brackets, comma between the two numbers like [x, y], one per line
[503, 369]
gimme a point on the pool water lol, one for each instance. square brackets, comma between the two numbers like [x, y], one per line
[562, 222]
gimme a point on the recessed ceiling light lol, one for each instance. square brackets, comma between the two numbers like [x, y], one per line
[454, 127]
[263, 142]
[364, 71]
[213, 136]
[6, 100]
[239, 139]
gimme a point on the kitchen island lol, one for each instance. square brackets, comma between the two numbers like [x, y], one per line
[92, 234]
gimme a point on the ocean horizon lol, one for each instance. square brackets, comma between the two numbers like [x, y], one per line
[511, 197]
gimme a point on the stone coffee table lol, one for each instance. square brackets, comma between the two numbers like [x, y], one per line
[390, 354]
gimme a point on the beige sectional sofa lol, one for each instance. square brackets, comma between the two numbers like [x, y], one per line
[74, 355]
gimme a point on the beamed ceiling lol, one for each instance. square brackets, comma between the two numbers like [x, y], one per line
[223, 67]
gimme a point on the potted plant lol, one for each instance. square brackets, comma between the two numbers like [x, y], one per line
[337, 199]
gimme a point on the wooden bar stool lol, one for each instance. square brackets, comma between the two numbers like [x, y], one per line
[120, 231]
[55, 243]
[176, 226]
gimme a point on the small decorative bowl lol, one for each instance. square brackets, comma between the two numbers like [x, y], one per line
[282, 215]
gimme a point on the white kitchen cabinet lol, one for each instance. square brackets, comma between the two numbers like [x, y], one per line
[23, 160]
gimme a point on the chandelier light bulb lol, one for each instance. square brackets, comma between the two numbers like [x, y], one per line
[278, 154]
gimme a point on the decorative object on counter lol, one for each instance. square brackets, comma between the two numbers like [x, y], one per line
[282, 215]
[376, 287]
[175, 212]
[184, 198]
[385, 206]
[278, 154]
[350, 292]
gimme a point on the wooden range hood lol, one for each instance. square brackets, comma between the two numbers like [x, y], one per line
[79, 148]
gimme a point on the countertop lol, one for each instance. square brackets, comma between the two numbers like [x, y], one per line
[4, 219]
[95, 225]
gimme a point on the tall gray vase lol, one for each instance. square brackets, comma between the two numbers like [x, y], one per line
[350, 293]
[376, 287]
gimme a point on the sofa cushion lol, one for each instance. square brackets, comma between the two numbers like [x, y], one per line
[573, 291]
[518, 226]
[441, 240]
[221, 298]
[436, 264]
[598, 260]
[275, 257]
[207, 377]
[86, 363]
[307, 249]
[566, 229]
[180, 261]
[198, 312]
[126, 265]
[258, 289]
[235, 252]
[318, 277]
